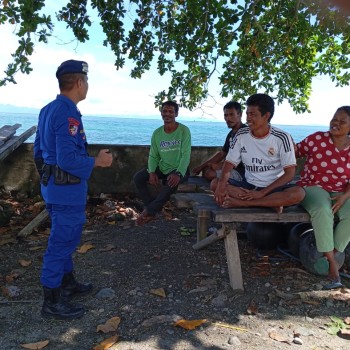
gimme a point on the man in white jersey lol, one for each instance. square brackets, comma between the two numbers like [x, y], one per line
[269, 160]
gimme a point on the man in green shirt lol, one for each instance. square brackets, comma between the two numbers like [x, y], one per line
[168, 160]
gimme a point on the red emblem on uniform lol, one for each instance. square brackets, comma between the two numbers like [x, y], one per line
[73, 126]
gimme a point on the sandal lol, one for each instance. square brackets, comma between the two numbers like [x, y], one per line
[333, 284]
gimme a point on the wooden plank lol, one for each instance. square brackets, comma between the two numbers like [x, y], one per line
[233, 258]
[187, 187]
[189, 200]
[199, 181]
[26, 231]
[15, 142]
[289, 214]
[219, 234]
[7, 131]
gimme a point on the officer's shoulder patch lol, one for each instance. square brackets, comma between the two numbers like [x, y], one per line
[73, 126]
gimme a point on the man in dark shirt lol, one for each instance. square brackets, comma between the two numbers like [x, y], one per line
[211, 168]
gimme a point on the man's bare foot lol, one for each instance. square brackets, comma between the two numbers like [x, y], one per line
[144, 218]
[231, 202]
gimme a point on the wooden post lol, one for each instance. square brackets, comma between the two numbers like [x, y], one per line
[203, 216]
[233, 259]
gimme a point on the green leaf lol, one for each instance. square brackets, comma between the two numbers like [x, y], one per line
[273, 46]
[333, 329]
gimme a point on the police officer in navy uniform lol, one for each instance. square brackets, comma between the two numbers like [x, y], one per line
[60, 153]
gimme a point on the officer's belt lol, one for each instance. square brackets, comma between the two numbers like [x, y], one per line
[61, 177]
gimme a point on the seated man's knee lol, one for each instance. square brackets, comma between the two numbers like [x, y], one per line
[210, 174]
[141, 176]
[214, 184]
[294, 195]
[299, 193]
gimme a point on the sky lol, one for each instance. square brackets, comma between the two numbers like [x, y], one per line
[113, 92]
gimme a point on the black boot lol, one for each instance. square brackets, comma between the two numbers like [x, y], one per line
[71, 287]
[55, 306]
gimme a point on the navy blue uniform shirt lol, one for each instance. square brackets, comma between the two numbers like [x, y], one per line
[60, 139]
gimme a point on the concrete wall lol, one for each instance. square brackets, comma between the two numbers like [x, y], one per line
[18, 173]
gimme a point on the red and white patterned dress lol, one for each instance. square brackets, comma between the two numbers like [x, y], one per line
[325, 165]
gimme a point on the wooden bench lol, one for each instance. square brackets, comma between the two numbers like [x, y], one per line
[9, 142]
[208, 211]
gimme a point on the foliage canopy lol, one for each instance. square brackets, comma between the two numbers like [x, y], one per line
[275, 47]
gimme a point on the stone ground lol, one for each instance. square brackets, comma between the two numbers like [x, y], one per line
[148, 278]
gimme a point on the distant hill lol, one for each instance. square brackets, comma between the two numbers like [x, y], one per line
[15, 109]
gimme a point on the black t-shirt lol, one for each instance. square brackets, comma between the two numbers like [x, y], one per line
[227, 145]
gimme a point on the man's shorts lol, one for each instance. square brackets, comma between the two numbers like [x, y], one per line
[248, 186]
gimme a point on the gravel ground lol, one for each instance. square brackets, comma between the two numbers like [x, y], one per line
[148, 278]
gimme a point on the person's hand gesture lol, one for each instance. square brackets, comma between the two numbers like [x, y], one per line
[153, 179]
[173, 179]
[220, 193]
[104, 158]
[338, 200]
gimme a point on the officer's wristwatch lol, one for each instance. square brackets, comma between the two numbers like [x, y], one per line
[178, 174]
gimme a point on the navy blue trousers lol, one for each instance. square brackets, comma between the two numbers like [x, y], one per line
[66, 228]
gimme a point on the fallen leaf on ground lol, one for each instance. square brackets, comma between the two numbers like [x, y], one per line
[190, 324]
[296, 269]
[186, 231]
[252, 308]
[261, 271]
[35, 248]
[35, 346]
[7, 241]
[4, 229]
[12, 276]
[286, 296]
[279, 337]
[46, 232]
[198, 290]
[25, 263]
[110, 326]
[159, 291]
[341, 294]
[107, 343]
[10, 291]
[85, 247]
[167, 215]
[107, 248]
[312, 302]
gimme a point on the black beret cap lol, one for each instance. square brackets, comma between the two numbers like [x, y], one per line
[72, 66]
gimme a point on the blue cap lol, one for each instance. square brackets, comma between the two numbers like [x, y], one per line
[72, 66]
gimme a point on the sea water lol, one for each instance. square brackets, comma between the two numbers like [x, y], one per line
[118, 130]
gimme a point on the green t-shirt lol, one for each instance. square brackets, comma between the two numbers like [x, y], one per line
[170, 151]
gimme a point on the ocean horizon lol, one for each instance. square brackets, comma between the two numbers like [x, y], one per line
[129, 130]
